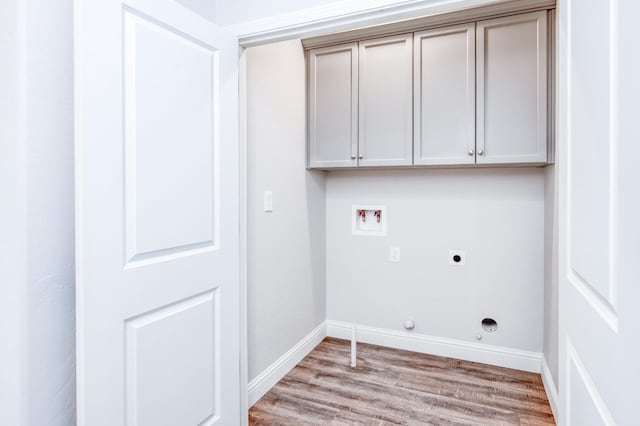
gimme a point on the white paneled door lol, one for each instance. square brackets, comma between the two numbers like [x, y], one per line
[599, 212]
[157, 216]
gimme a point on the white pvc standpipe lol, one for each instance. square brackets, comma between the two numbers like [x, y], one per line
[353, 346]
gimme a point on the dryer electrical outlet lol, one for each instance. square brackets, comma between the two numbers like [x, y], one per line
[457, 257]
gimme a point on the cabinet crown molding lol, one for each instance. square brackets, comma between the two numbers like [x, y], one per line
[436, 16]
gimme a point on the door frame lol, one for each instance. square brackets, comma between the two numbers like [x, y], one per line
[347, 15]
[242, 155]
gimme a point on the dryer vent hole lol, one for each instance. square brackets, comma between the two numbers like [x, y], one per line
[489, 325]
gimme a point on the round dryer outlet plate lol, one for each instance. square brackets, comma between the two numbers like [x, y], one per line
[489, 325]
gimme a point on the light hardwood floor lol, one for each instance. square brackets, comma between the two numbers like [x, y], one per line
[391, 386]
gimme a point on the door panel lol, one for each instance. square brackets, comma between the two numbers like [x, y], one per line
[512, 89]
[157, 216]
[386, 101]
[169, 145]
[585, 405]
[169, 353]
[445, 95]
[590, 234]
[333, 106]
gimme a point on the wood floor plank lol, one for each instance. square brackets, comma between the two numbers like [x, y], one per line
[394, 387]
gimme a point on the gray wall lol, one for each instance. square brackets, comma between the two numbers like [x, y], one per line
[286, 247]
[495, 215]
[551, 302]
[37, 223]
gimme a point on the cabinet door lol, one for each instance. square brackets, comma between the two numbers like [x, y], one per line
[333, 106]
[512, 89]
[444, 95]
[385, 132]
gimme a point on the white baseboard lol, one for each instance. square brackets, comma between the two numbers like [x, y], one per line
[469, 351]
[550, 388]
[276, 371]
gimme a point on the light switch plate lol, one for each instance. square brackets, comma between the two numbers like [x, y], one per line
[268, 201]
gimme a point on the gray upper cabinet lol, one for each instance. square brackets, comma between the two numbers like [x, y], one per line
[444, 95]
[512, 89]
[385, 101]
[467, 94]
[333, 106]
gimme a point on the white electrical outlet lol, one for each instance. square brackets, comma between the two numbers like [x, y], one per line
[457, 257]
[394, 254]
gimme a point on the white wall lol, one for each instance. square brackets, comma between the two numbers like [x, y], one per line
[205, 8]
[36, 248]
[286, 249]
[495, 215]
[231, 12]
[551, 302]
[13, 212]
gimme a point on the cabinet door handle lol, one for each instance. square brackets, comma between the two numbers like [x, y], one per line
[470, 152]
[361, 156]
[481, 152]
[353, 156]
